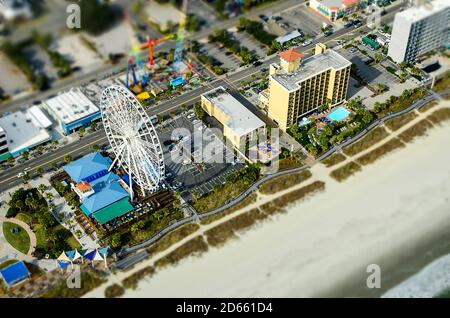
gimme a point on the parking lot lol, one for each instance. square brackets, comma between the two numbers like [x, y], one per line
[224, 56]
[303, 18]
[249, 42]
[195, 166]
[372, 75]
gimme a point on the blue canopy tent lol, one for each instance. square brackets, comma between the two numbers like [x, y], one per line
[15, 274]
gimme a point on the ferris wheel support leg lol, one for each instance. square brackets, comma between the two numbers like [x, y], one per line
[117, 157]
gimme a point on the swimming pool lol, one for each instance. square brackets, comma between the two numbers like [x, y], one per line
[339, 114]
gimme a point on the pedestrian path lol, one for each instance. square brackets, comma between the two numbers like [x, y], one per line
[31, 235]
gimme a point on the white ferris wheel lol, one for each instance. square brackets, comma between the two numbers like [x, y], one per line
[132, 138]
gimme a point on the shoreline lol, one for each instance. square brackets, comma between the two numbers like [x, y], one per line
[388, 232]
[395, 209]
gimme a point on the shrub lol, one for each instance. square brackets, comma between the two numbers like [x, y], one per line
[114, 291]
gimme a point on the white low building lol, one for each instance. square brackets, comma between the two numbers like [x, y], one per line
[72, 110]
[23, 130]
[12, 10]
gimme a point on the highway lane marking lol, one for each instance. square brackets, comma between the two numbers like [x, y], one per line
[218, 79]
[57, 157]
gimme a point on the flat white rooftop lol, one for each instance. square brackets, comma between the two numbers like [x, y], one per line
[71, 106]
[417, 13]
[311, 66]
[23, 131]
[241, 120]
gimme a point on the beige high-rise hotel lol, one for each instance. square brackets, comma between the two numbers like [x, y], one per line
[297, 87]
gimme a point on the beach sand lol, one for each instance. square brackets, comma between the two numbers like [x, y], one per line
[393, 214]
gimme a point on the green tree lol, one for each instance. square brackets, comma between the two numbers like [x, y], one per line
[19, 205]
[55, 165]
[40, 170]
[94, 126]
[42, 187]
[115, 240]
[95, 147]
[199, 111]
[10, 161]
[67, 158]
[26, 155]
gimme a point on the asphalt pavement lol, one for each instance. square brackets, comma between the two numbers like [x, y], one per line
[82, 147]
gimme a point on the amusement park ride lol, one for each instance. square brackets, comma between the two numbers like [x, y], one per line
[136, 83]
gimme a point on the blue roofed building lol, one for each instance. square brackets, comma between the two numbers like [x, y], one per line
[104, 195]
[15, 274]
[88, 168]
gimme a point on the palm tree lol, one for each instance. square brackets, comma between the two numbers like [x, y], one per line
[40, 170]
[67, 158]
[55, 165]
[42, 187]
[19, 205]
[10, 161]
[49, 196]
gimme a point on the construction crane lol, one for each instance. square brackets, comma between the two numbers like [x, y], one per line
[150, 43]
[178, 56]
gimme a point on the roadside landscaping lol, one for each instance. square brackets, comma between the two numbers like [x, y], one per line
[398, 103]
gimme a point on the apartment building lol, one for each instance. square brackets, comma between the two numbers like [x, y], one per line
[419, 30]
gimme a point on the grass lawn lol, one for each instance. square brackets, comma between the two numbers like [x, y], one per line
[24, 218]
[40, 235]
[20, 241]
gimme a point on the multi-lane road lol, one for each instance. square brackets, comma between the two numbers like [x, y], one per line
[8, 178]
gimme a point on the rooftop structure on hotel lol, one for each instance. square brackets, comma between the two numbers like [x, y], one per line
[239, 123]
[298, 86]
